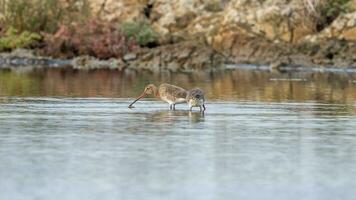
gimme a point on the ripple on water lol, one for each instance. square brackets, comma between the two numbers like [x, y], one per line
[97, 148]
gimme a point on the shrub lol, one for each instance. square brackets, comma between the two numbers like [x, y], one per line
[12, 39]
[100, 39]
[333, 8]
[330, 10]
[42, 15]
[323, 12]
[141, 31]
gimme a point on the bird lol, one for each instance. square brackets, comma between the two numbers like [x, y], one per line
[169, 93]
[195, 98]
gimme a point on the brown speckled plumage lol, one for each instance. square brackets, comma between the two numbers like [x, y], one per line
[169, 93]
[195, 98]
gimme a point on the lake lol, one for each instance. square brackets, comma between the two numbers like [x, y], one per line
[68, 135]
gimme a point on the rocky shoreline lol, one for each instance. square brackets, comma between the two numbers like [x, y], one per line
[190, 57]
[183, 57]
[274, 32]
[205, 35]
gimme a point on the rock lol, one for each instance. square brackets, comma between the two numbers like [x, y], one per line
[214, 6]
[89, 63]
[351, 23]
[116, 64]
[129, 57]
[349, 34]
[119, 10]
[343, 27]
[279, 19]
[276, 65]
[23, 53]
[184, 56]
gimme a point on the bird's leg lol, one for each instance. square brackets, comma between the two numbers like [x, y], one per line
[174, 106]
[190, 108]
[200, 109]
[170, 106]
[204, 107]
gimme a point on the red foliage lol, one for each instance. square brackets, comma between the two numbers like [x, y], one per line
[100, 39]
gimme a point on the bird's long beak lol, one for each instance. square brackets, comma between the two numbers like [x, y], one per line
[142, 95]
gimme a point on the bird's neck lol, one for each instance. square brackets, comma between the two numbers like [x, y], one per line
[155, 92]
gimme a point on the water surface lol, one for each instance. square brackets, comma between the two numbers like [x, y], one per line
[229, 85]
[69, 135]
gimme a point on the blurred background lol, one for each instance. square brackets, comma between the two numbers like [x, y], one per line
[277, 32]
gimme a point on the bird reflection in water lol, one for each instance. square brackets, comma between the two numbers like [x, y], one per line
[175, 116]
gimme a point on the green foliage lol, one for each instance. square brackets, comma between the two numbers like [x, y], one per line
[332, 8]
[324, 12]
[12, 39]
[141, 31]
[41, 15]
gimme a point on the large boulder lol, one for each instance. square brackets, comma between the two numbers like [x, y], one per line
[183, 56]
[344, 27]
[276, 20]
[119, 10]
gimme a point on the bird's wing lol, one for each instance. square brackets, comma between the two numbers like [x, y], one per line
[172, 92]
[181, 93]
[196, 92]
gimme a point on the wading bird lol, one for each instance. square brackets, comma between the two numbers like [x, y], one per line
[195, 98]
[169, 93]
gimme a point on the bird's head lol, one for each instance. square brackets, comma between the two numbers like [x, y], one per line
[149, 89]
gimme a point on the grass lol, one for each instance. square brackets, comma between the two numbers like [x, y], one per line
[41, 15]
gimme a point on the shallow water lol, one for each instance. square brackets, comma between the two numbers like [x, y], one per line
[263, 136]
